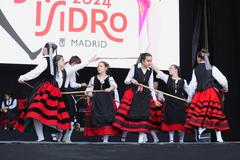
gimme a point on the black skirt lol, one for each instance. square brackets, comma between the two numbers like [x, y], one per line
[103, 111]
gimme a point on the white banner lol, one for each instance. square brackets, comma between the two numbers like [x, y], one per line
[109, 28]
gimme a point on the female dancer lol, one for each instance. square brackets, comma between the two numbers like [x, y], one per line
[46, 108]
[134, 112]
[205, 111]
[101, 110]
[174, 110]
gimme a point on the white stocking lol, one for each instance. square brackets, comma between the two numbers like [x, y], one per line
[39, 130]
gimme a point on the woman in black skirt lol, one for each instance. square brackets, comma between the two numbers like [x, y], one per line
[135, 113]
[174, 110]
[101, 108]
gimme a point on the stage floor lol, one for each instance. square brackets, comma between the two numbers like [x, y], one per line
[118, 151]
[17, 146]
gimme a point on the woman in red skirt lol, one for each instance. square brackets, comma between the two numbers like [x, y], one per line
[45, 109]
[205, 110]
[101, 108]
[135, 113]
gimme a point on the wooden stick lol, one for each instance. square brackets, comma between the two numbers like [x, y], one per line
[29, 85]
[169, 95]
[118, 58]
[82, 92]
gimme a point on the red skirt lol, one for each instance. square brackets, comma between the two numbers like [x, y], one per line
[205, 111]
[47, 106]
[123, 122]
[173, 127]
[91, 130]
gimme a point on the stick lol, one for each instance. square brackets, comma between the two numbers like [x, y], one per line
[169, 95]
[82, 92]
[29, 85]
[118, 58]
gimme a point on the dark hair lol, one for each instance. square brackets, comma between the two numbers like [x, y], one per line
[143, 56]
[107, 66]
[202, 53]
[178, 69]
[55, 63]
[75, 59]
[54, 46]
[8, 94]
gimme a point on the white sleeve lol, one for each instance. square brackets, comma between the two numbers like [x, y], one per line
[90, 85]
[116, 97]
[74, 84]
[150, 84]
[162, 76]
[186, 87]
[129, 76]
[218, 76]
[77, 67]
[192, 86]
[35, 72]
[112, 83]
[72, 81]
[14, 105]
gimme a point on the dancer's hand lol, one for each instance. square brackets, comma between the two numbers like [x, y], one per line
[94, 58]
[84, 85]
[89, 93]
[158, 104]
[20, 81]
[134, 81]
[108, 90]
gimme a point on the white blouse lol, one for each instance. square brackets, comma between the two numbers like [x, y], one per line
[71, 74]
[91, 83]
[70, 77]
[14, 104]
[112, 84]
[164, 77]
[150, 81]
[36, 71]
[217, 75]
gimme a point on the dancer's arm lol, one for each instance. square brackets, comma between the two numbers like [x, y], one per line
[35, 72]
[218, 76]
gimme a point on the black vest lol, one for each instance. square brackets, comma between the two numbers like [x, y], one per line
[46, 74]
[174, 88]
[204, 77]
[101, 86]
[140, 76]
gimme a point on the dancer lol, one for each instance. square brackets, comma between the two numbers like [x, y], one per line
[205, 111]
[174, 111]
[133, 114]
[46, 108]
[9, 114]
[75, 64]
[101, 109]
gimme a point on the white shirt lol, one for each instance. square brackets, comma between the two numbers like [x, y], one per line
[217, 75]
[71, 74]
[14, 105]
[131, 75]
[165, 77]
[91, 83]
[112, 84]
[42, 67]
[36, 71]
